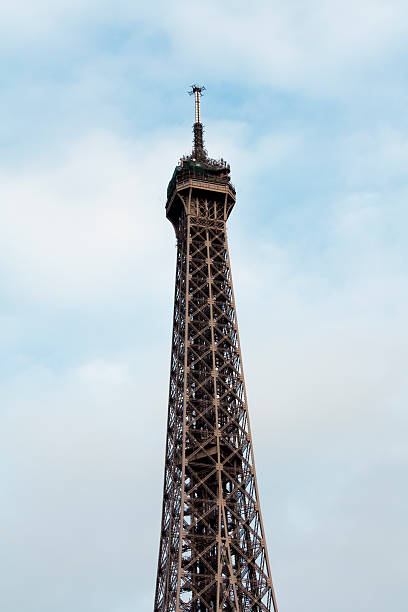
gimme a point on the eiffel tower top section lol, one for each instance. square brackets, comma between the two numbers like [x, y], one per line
[197, 170]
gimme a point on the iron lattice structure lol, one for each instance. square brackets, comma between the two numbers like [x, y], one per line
[213, 554]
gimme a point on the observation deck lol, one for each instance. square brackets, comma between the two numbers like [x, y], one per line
[206, 175]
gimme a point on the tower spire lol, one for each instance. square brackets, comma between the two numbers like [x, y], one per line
[199, 152]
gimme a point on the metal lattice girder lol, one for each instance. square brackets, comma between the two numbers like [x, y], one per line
[213, 555]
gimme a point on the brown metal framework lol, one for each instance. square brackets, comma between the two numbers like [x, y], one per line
[213, 554]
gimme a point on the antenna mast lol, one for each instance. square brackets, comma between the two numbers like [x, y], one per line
[199, 152]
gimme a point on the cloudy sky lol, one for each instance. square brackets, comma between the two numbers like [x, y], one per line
[308, 102]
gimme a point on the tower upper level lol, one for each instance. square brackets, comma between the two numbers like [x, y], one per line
[206, 177]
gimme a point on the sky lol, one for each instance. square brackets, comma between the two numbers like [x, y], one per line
[307, 100]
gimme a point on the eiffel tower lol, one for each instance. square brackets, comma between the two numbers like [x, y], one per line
[213, 554]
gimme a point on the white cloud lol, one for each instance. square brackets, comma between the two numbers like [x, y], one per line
[78, 456]
[377, 157]
[85, 224]
[100, 373]
[319, 45]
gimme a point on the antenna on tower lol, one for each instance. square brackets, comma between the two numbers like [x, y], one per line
[197, 91]
[199, 152]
